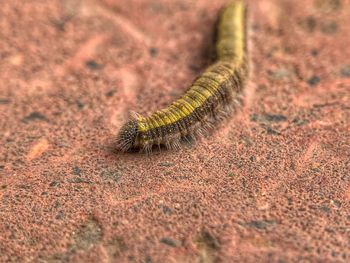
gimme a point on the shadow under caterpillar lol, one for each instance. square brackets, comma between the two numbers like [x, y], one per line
[211, 97]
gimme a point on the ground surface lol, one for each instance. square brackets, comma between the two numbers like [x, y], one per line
[270, 184]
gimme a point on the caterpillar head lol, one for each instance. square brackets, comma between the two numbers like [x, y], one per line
[127, 136]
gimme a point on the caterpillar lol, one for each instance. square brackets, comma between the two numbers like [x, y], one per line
[212, 96]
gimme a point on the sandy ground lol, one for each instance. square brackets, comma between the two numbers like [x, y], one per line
[271, 184]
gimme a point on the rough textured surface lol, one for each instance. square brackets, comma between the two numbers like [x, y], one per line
[271, 184]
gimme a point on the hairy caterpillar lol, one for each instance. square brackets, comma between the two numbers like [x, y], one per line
[211, 97]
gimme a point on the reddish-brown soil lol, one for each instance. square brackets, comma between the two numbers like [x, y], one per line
[271, 184]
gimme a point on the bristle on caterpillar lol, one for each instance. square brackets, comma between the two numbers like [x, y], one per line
[211, 97]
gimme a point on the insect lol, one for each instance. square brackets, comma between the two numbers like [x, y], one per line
[210, 98]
